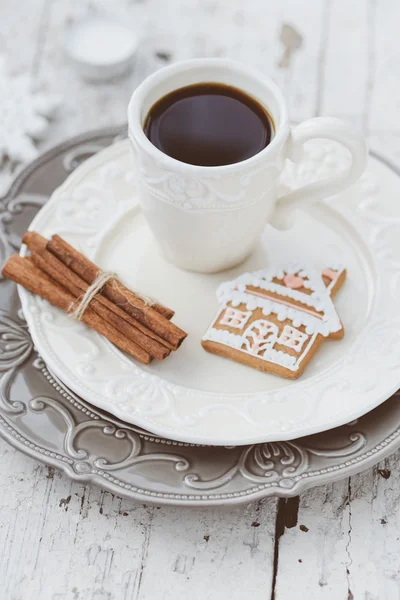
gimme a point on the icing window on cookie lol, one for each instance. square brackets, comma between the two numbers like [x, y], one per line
[260, 336]
[292, 338]
[235, 318]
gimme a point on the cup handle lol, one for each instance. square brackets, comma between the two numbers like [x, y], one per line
[329, 129]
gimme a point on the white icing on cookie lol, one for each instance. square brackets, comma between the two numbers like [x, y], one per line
[235, 318]
[317, 314]
[237, 292]
[236, 341]
[328, 324]
[292, 338]
[260, 336]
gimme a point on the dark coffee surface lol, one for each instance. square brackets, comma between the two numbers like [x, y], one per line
[208, 124]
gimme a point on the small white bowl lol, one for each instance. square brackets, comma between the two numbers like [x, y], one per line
[100, 48]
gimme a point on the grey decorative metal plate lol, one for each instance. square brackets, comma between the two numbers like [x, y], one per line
[41, 417]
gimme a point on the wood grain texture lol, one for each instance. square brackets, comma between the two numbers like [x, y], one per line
[65, 541]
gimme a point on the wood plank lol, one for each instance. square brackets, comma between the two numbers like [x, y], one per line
[62, 540]
[373, 532]
[384, 86]
[345, 63]
[210, 553]
[302, 74]
[312, 554]
[344, 543]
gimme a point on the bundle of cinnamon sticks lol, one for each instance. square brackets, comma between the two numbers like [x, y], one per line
[62, 275]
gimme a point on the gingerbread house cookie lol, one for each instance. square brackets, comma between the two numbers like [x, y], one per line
[275, 320]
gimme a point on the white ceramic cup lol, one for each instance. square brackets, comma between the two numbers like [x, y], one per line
[209, 218]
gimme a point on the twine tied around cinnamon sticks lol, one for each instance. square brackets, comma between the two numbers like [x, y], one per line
[92, 291]
[64, 277]
[95, 288]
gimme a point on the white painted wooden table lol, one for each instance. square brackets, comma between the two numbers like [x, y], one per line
[66, 541]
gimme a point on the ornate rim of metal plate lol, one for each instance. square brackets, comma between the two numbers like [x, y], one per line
[60, 429]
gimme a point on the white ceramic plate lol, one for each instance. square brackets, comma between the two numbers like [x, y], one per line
[197, 397]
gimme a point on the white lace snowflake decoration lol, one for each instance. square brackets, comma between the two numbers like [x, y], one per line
[23, 115]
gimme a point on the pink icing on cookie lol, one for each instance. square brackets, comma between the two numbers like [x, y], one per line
[293, 281]
[330, 274]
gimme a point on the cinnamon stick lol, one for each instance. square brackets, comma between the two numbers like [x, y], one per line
[58, 271]
[25, 273]
[118, 294]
